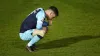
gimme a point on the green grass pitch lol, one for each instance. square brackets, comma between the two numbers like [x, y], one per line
[76, 32]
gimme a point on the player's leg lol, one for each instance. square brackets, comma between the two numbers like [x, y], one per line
[37, 35]
[26, 35]
[30, 45]
[39, 32]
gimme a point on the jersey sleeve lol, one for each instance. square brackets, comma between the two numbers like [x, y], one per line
[40, 18]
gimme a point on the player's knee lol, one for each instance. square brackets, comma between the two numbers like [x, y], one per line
[38, 32]
[42, 33]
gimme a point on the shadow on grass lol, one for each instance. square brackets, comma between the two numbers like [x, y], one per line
[65, 42]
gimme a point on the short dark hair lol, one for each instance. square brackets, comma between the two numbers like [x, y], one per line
[55, 10]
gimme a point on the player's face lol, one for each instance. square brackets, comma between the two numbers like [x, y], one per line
[51, 15]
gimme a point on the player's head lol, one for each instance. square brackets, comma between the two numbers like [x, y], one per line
[52, 12]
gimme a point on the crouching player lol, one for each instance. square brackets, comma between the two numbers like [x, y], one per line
[32, 27]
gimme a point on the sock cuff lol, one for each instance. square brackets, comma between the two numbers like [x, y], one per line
[40, 36]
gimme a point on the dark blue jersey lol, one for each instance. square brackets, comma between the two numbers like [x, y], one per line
[33, 21]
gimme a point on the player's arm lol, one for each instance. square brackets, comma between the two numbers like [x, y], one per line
[40, 17]
[39, 24]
